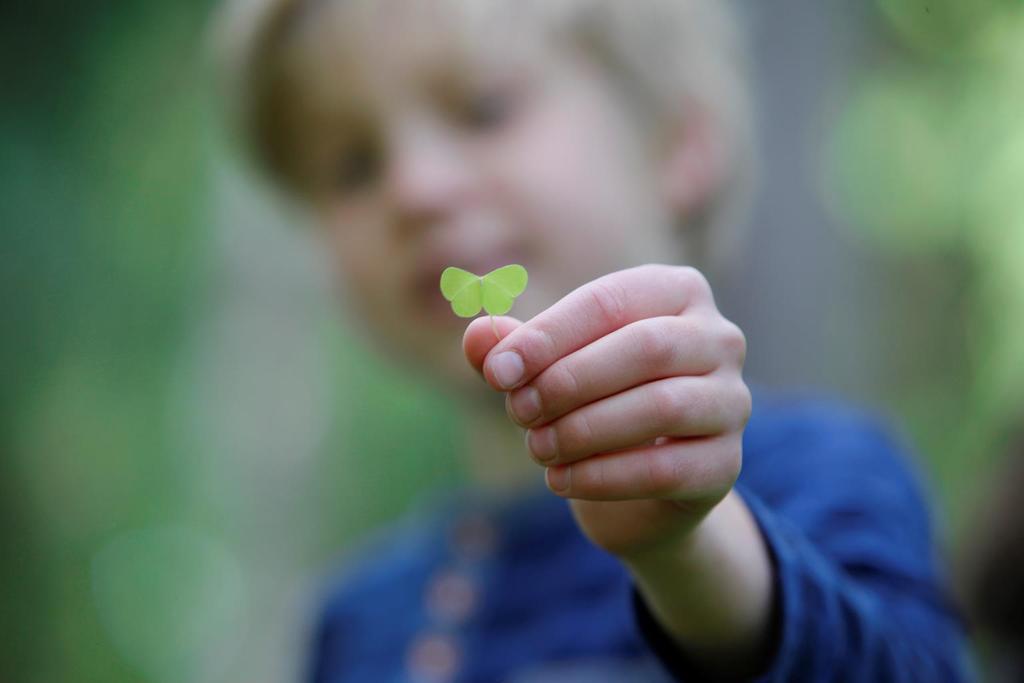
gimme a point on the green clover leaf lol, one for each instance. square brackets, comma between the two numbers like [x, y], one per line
[494, 292]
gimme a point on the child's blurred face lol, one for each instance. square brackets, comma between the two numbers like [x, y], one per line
[511, 150]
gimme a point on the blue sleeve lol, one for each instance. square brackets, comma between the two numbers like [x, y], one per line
[327, 653]
[334, 633]
[859, 595]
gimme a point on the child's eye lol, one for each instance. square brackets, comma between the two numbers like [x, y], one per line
[485, 110]
[356, 168]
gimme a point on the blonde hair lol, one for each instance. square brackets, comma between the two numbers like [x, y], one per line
[667, 54]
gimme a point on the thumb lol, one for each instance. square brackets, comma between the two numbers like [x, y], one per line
[479, 338]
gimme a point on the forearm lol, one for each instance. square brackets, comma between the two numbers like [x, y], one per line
[712, 592]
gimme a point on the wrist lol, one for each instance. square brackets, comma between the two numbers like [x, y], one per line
[711, 589]
[676, 551]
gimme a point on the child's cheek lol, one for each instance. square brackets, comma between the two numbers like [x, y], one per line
[569, 214]
[360, 262]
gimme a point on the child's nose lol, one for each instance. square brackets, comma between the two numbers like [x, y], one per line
[428, 176]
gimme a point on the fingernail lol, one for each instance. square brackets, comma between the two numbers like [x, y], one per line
[557, 478]
[525, 404]
[507, 368]
[543, 443]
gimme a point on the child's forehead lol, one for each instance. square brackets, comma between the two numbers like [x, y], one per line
[353, 47]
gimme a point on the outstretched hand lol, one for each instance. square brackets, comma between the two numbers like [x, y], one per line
[631, 391]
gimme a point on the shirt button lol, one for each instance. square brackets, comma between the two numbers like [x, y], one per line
[451, 596]
[474, 536]
[433, 658]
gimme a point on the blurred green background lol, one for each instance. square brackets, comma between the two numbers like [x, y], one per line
[179, 458]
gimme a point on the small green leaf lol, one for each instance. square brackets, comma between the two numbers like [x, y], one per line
[495, 292]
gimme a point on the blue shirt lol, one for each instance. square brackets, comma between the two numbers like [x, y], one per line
[477, 591]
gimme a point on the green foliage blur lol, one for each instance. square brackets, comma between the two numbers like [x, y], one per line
[141, 539]
[138, 542]
[926, 166]
[99, 162]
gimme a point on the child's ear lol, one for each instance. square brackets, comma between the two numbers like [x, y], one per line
[694, 160]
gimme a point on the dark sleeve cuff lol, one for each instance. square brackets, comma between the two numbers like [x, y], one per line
[678, 664]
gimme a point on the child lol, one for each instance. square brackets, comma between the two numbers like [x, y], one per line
[596, 142]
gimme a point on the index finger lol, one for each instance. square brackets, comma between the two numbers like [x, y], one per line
[590, 312]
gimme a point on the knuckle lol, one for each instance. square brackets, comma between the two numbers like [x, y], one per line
[666, 402]
[608, 299]
[655, 344]
[692, 280]
[536, 345]
[558, 384]
[744, 403]
[588, 478]
[574, 434]
[733, 341]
